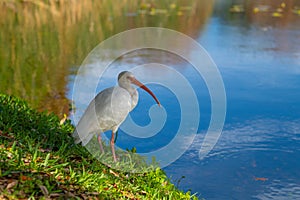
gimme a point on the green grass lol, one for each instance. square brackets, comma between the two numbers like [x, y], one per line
[38, 159]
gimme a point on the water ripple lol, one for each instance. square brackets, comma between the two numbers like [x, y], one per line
[255, 135]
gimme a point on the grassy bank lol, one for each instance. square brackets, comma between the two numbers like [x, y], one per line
[38, 160]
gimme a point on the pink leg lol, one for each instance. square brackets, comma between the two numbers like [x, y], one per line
[112, 145]
[100, 143]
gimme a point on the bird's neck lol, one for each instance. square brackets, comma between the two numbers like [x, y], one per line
[131, 90]
[134, 95]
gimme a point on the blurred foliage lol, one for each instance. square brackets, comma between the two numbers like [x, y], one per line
[43, 42]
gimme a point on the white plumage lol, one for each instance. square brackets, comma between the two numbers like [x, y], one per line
[109, 109]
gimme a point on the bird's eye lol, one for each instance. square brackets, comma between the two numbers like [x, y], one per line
[129, 78]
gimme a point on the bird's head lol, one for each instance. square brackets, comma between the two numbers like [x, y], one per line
[126, 78]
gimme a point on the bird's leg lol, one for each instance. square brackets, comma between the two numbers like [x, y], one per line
[116, 135]
[112, 145]
[100, 143]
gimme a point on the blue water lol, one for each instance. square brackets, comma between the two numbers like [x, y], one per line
[258, 153]
[261, 138]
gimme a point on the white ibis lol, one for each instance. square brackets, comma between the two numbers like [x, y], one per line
[109, 109]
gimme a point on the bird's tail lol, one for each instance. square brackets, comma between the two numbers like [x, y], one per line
[83, 140]
[86, 126]
[76, 137]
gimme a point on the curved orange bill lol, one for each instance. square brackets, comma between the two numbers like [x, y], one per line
[136, 82]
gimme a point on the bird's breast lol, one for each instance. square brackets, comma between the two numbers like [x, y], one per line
[134, 99]
[113, 105]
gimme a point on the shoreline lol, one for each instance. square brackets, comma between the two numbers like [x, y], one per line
[39, 160]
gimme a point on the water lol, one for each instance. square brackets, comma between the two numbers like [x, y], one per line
[258, 153]
[261, 137]
[258, 55]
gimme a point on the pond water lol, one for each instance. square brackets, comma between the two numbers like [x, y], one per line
[260, 67]
[258, 153]
[255, 45]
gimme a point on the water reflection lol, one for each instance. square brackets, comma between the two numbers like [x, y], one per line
[264, 14]
[260, 68]
[257, 50]
[41, 42]
[256, 148]
[280, 190]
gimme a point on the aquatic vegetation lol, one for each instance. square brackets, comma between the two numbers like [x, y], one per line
[237, 9]
[296, 10]
[272, 9]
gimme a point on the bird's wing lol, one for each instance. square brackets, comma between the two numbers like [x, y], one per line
[105, 112]
[86, 126]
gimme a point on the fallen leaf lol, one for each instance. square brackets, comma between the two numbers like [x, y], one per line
[92, 193]
[63, 119]
[114, 173]
[55, 195]
[128, 195]
[45, 150]
[25, 178]
[44, 190]
[69, 194]
[260, 179]
[12, 184]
